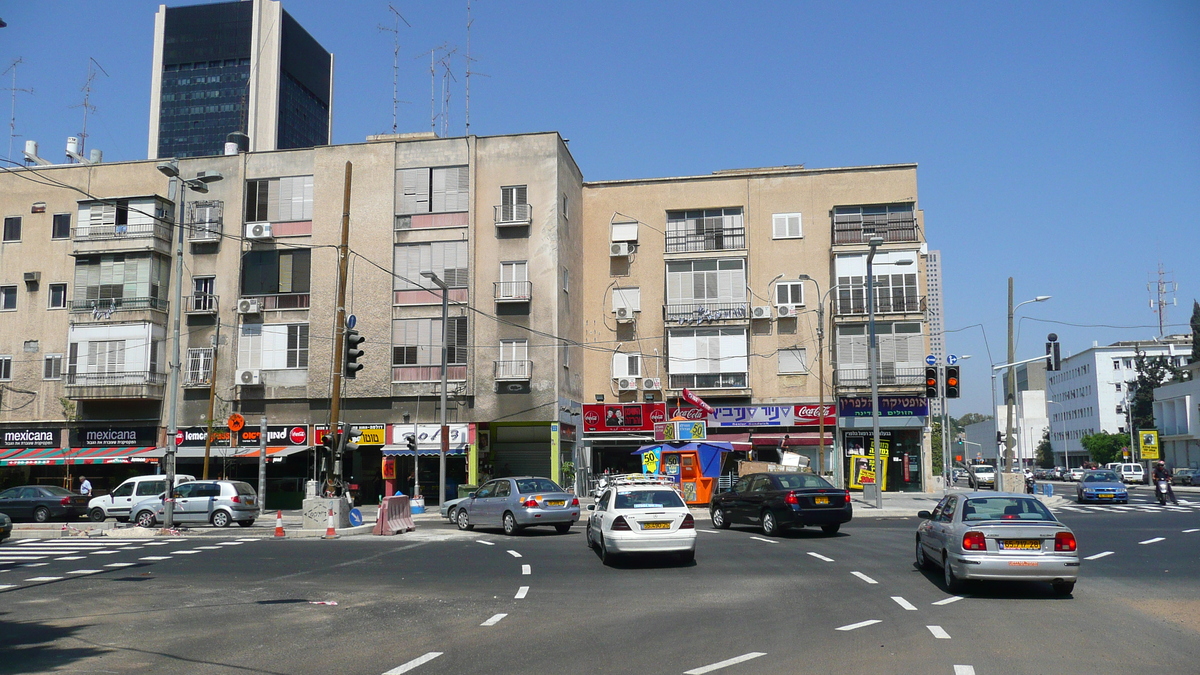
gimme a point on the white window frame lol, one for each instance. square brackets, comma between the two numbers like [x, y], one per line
[626, 364]
[66, 288]
[55, 372]
[449, 259]
[781, 226]
[199, 365]
[512, 273]
[792, 361]
[6, 361]
[794, 289]
[627, 298]
[626, 231]
[264, 346]
[708, 350]
[729, 283]
[4, 292]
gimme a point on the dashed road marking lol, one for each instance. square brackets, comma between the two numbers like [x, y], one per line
[485, 543]
[1194, 529]
[156, 558]
[35, 564]
[7, 586]
[120, 564]
[939, 632]
[860, 624]
[953, 598]
[70, 557]
[209, 548]
[904, 603]
[494, 620]
[710, 531]
[229, 543]
[104, 552]
[419, 661]
[514, 553]
[184, 552]
[36, 579]
[818, 556]
[724, 664]
[1098, 555]
[769, 541]
[85, 571]
[521, 593]
[864, 577]
[526, 570]
[964, 670]
[1152, 541]
[157, 543]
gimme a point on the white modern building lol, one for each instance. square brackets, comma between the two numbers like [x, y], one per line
[933, 313]
[1177, 416]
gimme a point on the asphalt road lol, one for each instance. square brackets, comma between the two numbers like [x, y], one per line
[440, 601]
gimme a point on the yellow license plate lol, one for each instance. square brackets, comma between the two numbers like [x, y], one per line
[1105, 496]
[656, 526]
[554, 502]
[1021, 544]
[821, 500]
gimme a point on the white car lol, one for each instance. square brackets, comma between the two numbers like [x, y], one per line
[1133, 473]
[641, 515]
[119, 503]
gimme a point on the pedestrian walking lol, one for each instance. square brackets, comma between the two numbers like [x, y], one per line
[85, 486]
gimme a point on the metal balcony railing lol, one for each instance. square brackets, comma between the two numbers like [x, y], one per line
[107, 306]
[90, 232]
[884, 304]
[513, 370]
[858, 229]
[725, 239]
[281, 301]
[135, 377]
[513, 291]
[889, 375]
[706, 312]
[201, 303]
[513, 215]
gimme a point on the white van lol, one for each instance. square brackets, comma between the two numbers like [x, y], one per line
[117, 503]
[1132, 473]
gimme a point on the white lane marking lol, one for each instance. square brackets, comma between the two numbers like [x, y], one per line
[953, 598]
[494, 620]
[419, 661]
[769, 541]
[129, 548]
[70, 557]
[514, 553]
[102, 552]
[229, 543]
[860, 624]
[157, 543]
[485, 543]
[186, 552]
[818, 556]
[904, 603]
[939, 632]
[964, 670]
[724, 664]
[247, 540]
[710, 531]
[1071, 508]
[209, 548]
[33, 579]
[1124, 508]
[120, 564]
[1098, 555]
[521, 593]
[4, 586]
[864, 577]
[1152, 541]
[526, 570]
[85, 572]
[35, 564]
[20, 557]
[156, 557]
[1194, 529]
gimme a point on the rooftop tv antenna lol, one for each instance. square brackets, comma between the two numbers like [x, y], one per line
[470, 59]
[1161, 291]
[395, 31]
[12, 120]
[87, 100]
[447, 76]
[433, 63]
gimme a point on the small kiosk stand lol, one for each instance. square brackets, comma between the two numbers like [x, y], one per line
[693, 467]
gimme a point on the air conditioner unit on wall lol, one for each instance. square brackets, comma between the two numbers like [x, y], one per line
[651, 383]
[258, 230]
[760, 312]
[249, 306]
[624, 314]
[627, 384]
[248, 377]
[786, 311]
[620, 249]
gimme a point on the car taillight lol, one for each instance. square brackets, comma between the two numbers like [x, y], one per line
[236, 499]
[575, 501]
[1064, 541]
[64, 501]
[791, 498]
[974, 541]
[620, 524]
[689, 523]
[847, 496]
[529, 503]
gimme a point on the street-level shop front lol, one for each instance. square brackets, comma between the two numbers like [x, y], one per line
[57, 456]
[903, 443]
[400, 465]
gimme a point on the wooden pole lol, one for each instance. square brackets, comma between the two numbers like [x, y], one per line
[339, 320]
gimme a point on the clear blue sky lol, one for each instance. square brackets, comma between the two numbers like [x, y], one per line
[1058, 143]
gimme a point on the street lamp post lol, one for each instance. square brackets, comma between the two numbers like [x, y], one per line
[1010, 396]
[179, 185]
[445, 432]
[873, 367]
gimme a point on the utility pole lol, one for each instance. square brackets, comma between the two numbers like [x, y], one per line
[339, 320]
[212, 394]
[262, 465]
[1011, 390]
[445, 430]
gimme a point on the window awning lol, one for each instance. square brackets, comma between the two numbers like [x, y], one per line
[793, 439]
[59, 456]
[275, 453]
[403, 451]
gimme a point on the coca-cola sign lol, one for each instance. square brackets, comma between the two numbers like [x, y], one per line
[811, 414]
[623, 416]
[804, 414]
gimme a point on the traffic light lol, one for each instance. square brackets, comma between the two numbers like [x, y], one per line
[352, 441]
[951, 381]
[353, 353]
[411, 441]
[329, 442]
[1053, 359]
[931, 382]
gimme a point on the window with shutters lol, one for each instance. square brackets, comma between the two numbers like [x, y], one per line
[514, 363]
[514, 281]
[705, 230]
[417, 349]
[901, 354]
[858, 224]
[279, 200]
[52, 367]
[120, 281]
[432, 190]
[106, 356]
[277, 272]
[629, 299]
[625, 364]
[272, 346]
[786, 226]
[894, 293]
[708, 358]
[792, 361]
[448, 259]
[706, 290]
[514, 205]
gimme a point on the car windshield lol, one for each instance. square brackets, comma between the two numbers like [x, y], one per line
[647, 499]
[984, 469]
[793, 481]
[1005, 508]
[1103, 477]
[527, 485]
[56, 491]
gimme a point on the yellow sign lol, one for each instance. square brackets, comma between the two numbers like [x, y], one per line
[650, 461]
[1149, 439]
[372, 437]
[862, 468]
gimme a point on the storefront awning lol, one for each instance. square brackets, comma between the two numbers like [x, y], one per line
[793, 439]
[403, 451]
[739, 441]
[59, 456]
[275, 453]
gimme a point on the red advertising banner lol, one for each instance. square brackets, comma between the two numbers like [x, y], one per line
[809, 414]
[696, 401]
[623, 416]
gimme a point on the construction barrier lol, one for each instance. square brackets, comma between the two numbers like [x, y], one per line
[394, 517]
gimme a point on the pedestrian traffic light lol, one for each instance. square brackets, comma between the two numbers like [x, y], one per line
[353, 353]
[951, 381]
[931, 382]
[411, 441]
[1053, 358]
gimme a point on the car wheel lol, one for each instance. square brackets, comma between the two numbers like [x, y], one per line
[464, 521]
[953, 583]
[220, 519]
[245, 523]
[770, 526]
[1078, 499]
[606, 556]
[687, 557]
[96, 515]
[922, 559]
[562, 528]
[831, 530]
[1064, 587]
[41, 515]
[588, 532]
[510, 524]
[452, 515]
[719, 521]
[144, 519]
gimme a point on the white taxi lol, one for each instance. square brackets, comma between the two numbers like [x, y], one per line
[641, 514]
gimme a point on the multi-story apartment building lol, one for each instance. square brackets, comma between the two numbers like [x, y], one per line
[1177, 417]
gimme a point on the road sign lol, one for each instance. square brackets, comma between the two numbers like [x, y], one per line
[236, 422]
[351, 321]
[931, 360]
[951, 359]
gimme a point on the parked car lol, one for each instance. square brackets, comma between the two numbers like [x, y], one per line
[647, 516]
[982, 475]
[517, 503]
[1074, 475]
[42, 503]
[1184, 476]
[118, 503]
[997, 536]
[777, 501]
[449, 509]
[1101, 485]
[5, 526]
[219, 502]
[1133, 473]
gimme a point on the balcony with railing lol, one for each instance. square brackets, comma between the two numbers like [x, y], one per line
[513, 291]
[198, 368]
[201, 304]
[205, 221]
[131, 238]
[723, 239]
[513, 371]
[896, 227]
[128, 384]
[855, 304]
[428, 373]
[278, 301]
[513, 215]
[141, 309]
[703, 311]
[890, 375]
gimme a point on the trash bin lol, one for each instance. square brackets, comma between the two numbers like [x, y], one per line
[464, 490]
[870, 492]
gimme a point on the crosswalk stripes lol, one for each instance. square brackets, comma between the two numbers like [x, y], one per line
[31, 553]
[1134, 507]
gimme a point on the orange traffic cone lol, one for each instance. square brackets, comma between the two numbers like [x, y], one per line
[279, 523]
[330, 533]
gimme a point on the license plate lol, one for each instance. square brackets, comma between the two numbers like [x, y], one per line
[821, 500]
[1105, 496]
[656, 526]
[1021, 544]
[554, 502]
[1022, 563]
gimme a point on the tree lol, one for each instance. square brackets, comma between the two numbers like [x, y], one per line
[935, 441]
[1104, 447]
[972, 418]
[1045, 451]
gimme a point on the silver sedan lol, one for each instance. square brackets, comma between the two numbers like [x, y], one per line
[997, 536]
[517, 503]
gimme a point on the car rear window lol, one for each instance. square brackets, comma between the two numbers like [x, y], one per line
[1005, 508]
[527, 485]
[647, 499]
[794, 481]
[244, 488]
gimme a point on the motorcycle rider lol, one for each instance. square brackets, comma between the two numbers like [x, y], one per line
[1029, 480]
[1162, 473]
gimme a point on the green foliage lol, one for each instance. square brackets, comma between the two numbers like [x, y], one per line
[1152, 372]
[1104, 447]
[1045, 451]
[972, 418]
[935, 440]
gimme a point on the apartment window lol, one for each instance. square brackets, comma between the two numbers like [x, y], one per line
[1118, 386]
[708, 358]
[513, 197]
[705, 230]
[786, 226]
[513, 278]
[857, 224]
[629, 299]
[418, 342]
[12, 228]
[297, 346]
[52, 367]
[565, 214]
[901, 353]
[272, 346]
[5, 367]
[279, 200]
[792, 361]
[448, 259]
[61, 228]
[893, 293]
[1116, 364]
[199, 365]
[626, 365]
[514, 350]
[58, 296]
[566, 280]
[276, 272]
[120, 276]
[566, 355]
[106, 356]
[704, 285]
[432, 190]
[8, 297]
[789, 293]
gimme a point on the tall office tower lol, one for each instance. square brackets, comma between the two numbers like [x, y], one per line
[933, 305]
[244, 67]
